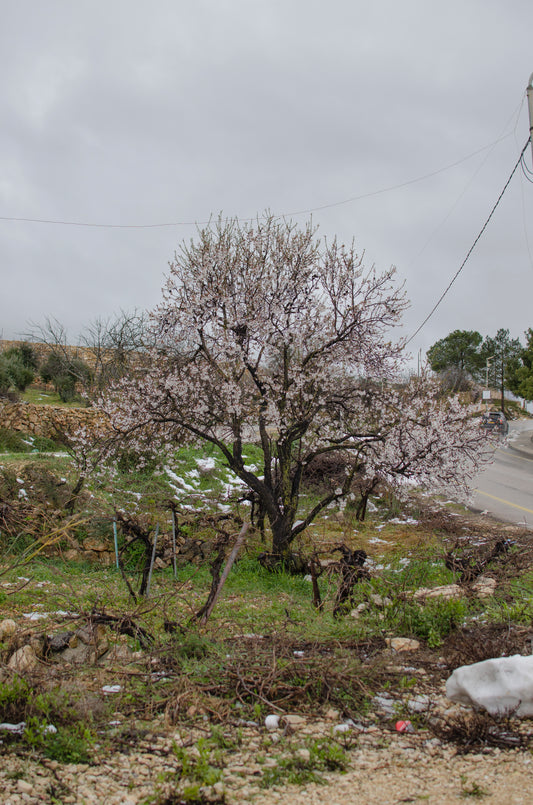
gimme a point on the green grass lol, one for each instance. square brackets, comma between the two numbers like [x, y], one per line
[39, 396]
[13, 441]
[53, 727]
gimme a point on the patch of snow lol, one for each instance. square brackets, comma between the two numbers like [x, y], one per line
[178, 480]
[14, 729]
[35, 616]
[205, 464]
[107, 689]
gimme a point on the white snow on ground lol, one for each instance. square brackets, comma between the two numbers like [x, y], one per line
[205, 464]
[179, 480]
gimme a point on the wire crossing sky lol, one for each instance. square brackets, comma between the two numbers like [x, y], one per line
[392, 125]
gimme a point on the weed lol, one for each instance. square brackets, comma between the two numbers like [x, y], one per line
[51, 724]
[16, 774]
[199, 768]
[471, 789]
[303, 765]
[432, 621]
[71, 744]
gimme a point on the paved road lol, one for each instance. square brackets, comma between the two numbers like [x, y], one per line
[505, 489]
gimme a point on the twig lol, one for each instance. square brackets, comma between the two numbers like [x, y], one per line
[257, 695]
[229, 564]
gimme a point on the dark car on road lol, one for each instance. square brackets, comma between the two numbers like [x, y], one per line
[495, 421]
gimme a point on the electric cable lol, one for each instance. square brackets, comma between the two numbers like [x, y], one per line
[528, 173]
[436, 305]
[94, 225]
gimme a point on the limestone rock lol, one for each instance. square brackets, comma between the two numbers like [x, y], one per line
[8, 628]
[402, 644]
[93, 544]
[444, 591]
[23, 660]
[484, 587]
[294, 722]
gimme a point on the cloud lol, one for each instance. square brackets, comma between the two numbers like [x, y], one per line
[138, 113]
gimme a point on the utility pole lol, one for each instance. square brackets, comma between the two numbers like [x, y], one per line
[530, 104]
[486, 395]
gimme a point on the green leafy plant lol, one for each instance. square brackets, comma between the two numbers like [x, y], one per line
[472, 789]
[52, 725]
[303, 765]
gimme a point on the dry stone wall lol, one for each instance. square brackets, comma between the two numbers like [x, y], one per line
[44, 420]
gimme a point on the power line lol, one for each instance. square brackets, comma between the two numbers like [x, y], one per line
[528, 173]
[436, 305]
[95, 225]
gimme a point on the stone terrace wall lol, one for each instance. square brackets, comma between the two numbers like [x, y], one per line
[44, 420]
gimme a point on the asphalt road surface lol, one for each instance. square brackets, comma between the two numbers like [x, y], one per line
[505, 489]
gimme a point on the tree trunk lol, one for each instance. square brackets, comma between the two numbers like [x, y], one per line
[281, 537]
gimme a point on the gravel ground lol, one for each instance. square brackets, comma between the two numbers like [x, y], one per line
[384, 767]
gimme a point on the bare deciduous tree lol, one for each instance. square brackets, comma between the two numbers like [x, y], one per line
[116, 345]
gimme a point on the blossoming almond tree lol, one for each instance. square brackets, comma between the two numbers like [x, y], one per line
[266, 333]
[424, 440]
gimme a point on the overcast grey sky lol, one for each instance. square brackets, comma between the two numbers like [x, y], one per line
[137, 112]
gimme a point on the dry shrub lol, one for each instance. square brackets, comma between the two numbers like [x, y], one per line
[472, 731]
[326, 471]
[274, 673]
[485, 641]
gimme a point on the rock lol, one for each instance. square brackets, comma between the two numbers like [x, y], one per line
[8, 628]
[87, 644]
[23, 660]
[272, 722]
[119, 654]
[419, 704]
[341, 728]
[501, 685]
[59, 641]
[402, 644]
[359, 608]
[294, 722]
[332, 714]
[380, 601]
[444, 591]
[484, 587]
[93, 544]
[384, 703]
